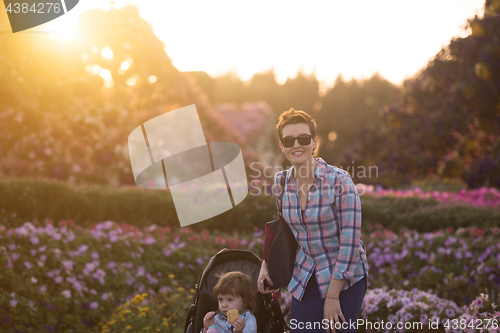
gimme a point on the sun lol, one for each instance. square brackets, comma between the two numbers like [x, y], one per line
[64, 27]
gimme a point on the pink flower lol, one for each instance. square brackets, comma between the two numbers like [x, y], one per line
[34, 240]
[66, 293]
[42, 290]
[13, 303]
[58, 279]
[94, 305]
[27, 264]
[95, 255]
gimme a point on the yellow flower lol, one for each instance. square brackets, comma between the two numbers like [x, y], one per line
[171, 276]
[146, 328]
[165, 324]
[128, 327]
[126, 311]
[144, 295]
[105, 331]
[146, 309]
[112, 322]
[192, 290]
[142, 314]
[181, 289]
[137, 299]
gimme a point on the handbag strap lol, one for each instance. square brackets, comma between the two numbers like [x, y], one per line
[283, 181]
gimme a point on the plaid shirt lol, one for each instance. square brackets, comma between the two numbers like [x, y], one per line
[322, 247]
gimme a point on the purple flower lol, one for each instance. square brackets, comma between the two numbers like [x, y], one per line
[33, 252]
[68, 264]
[149, 240]
[199, 261]
[94, 305]
[11, 247]
[58, 280]
[66, 293]
[27, 264]
[56, 236]
[111, 264]
[13, 303]
[34, 240]
[166, 252]
[14, 256]
[71, 237]
[95, 255]
[450, 313]
[105, 296]
[42, 290]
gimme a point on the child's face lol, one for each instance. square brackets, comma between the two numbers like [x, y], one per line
[230, 302]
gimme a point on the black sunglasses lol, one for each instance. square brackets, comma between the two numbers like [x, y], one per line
[289, 141]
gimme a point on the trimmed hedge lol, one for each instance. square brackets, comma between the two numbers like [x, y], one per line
[25, 199]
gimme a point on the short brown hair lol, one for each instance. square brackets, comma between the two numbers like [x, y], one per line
[295, 117]
[237, 284]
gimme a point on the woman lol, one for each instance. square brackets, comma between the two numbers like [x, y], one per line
[322, 208]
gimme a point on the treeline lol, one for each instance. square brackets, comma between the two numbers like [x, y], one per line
[342, 113]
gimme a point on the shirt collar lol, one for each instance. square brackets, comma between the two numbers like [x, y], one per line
[319, 173]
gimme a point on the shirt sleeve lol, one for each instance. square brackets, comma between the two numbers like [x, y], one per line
[349, 218]
[250, 324]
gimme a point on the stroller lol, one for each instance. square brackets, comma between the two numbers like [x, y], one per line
[268, 314]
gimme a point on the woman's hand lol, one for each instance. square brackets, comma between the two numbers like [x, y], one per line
[239, 325]
[264, 275]
[208, 320]
[333, 313]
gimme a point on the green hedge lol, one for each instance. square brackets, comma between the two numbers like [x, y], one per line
[25, 199]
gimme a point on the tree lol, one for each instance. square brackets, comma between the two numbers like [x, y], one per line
[447, 121]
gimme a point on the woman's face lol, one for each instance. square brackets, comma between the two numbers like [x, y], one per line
[298, 154]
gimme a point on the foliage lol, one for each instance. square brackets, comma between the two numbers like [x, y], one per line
[160, 313]
[446, 122]
[67, 108]
[347, 110]
[457, 265]
[114, 277]
[26, 198]
[65, 277]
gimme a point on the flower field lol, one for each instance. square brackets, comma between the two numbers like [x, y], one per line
[60, 277]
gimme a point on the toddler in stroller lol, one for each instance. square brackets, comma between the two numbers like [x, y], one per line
[236, 299]
[268, 315]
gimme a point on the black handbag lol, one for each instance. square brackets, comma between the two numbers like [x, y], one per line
[280, 247]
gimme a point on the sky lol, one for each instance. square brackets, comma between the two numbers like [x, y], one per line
[395, 38]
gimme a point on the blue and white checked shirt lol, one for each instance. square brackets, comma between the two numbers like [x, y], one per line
[331, 252]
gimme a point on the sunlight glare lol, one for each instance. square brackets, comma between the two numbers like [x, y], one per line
[125, 65]
[107, 53]
[105, 74]
[152, 79]
[131, 81]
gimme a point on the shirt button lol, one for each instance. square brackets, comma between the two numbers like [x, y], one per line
[305, 216]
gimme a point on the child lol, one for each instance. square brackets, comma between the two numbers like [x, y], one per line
[233, 291]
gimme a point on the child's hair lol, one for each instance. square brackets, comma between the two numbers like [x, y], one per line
[236, 284]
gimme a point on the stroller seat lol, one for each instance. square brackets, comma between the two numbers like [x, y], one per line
[268, 314]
